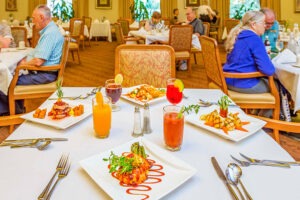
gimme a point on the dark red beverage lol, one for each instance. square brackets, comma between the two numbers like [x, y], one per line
[114, 91]
[174, 96]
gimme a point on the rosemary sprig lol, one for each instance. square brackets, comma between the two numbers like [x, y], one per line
[188, 109]
[59, 91]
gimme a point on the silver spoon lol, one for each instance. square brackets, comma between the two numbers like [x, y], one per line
[233, 179]
[236, 173]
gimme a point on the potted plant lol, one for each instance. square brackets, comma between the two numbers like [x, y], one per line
[63, 10]
[138, 10]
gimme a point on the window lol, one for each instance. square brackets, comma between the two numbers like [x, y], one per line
[62, 9]
[239, 7]
[143, 9]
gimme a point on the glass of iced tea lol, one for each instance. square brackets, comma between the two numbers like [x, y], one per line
[114, 91]
[174, 92]
[102, 116]
[173, 127]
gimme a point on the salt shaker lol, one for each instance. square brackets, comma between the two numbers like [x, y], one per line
[137, 127]
[146, 124]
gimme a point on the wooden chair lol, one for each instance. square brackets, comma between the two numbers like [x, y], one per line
[166, 21]
[19, 33]
[124, 25]
[214, 28]
[121, 39]
[35, 36]
[16, 92]
[76, 33]
[278, 125]
[216, 80]
[11, 121]
[142, 23]
[88, 23]
[230, 23]
[145, 64]
[180, 38]
[195, 51]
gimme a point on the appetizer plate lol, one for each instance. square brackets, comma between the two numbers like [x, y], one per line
[235, 135]
[61, 123]
[152, 101]
[176, 172]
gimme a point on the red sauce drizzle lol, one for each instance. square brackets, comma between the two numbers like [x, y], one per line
[154, 173]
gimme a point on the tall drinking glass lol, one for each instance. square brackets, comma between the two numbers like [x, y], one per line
[114, 91]
[279, 45]
[173, 127]
[102, 117]
[174, 95]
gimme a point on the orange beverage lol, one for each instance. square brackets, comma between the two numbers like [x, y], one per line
[173, 127]
[102, 117]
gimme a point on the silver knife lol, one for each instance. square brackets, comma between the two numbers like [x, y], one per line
[223, 177]
[9, 142]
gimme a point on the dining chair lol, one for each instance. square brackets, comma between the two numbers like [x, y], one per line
[35, 37]
[76, 33]
[17, 92]
[216, 80]
[230, 24]
[194, 50]
[121, 38]
[214, 29]
[142, 23]
[124, 25]
[11, 121]
[19, 33]
[88, 23]
[278, 125]
[145, 64]
[166, 21]
[180, 38]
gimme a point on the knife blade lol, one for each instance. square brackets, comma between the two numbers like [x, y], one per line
[223, 177]
[9, 142]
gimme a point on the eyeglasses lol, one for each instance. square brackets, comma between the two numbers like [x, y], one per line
[269, 23]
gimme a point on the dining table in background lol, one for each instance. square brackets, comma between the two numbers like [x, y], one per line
[101, 29]
[9, 58]
[154, 36]
[24, 172]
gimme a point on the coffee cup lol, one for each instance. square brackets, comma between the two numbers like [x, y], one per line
[21, 45]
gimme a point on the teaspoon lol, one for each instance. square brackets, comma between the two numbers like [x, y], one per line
[233, 179]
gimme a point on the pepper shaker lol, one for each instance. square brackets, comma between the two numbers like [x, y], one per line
[146, 124]
[137, 127]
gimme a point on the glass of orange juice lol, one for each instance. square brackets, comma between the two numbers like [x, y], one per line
[173, 127]
[102, 116]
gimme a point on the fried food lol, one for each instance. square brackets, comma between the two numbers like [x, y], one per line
[60, 110]
[146, 93]
[40, 113]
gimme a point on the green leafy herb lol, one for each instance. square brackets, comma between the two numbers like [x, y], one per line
[224, 102]
[59, 91]
[121, 164]
[188, 109]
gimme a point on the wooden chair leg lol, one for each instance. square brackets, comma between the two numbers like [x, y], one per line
[78, 57]
[11, 128]
[189, 66]
[195, 58]
[72, 55]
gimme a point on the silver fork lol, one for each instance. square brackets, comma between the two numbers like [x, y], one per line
[246, 163]
[270, 161]
[60, 166]
[63, 173]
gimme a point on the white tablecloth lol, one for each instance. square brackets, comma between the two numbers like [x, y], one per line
[101, 29]
[25, 172]
[289, 76]
[9, 58]
[153, 36]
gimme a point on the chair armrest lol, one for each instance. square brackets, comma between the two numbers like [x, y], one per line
[131, 38]
[243, 75]
[36, 68]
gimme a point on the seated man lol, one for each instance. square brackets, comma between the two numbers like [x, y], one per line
[6, 38]
[194, 21]
[271, 27]
[47, 52]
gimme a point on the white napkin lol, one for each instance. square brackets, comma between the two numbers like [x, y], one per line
[286, 56]
[142, 30]
[96, 21]
[106, 21]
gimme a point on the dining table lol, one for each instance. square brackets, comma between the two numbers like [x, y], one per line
[163, 35]
[25, 172]
[101, 29]
[9, 58]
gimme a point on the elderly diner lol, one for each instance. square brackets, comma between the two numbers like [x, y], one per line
[136, 116]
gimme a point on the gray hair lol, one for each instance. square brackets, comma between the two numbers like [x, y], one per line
[248, 18]
[45, 10]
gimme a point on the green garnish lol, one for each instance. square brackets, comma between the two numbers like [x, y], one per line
[119, 162]
[188, 109]
[59, 92]
[224, 102]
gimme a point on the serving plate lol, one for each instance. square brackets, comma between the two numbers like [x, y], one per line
[60, 123]
[152, 101]
[235, 135]
[176, 172]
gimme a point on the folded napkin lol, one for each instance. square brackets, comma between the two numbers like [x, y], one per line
[286, 56]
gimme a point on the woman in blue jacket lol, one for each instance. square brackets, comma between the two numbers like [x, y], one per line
[247, 53]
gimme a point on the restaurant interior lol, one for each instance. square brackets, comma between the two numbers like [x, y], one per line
[110, 44]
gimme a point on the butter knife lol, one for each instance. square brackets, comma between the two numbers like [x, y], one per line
[10, 142]
[223, 177]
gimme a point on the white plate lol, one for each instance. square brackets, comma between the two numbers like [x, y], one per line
[62, 123]
[235, 135]
[296, 65]
[176, 171]
[153, 101]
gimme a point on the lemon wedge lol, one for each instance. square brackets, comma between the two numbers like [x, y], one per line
[179, 84]
[99, 98]
[119, 79]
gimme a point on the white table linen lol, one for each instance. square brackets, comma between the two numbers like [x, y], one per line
[9, 58]
[25, 172]
[153, 36]
[101, 29]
